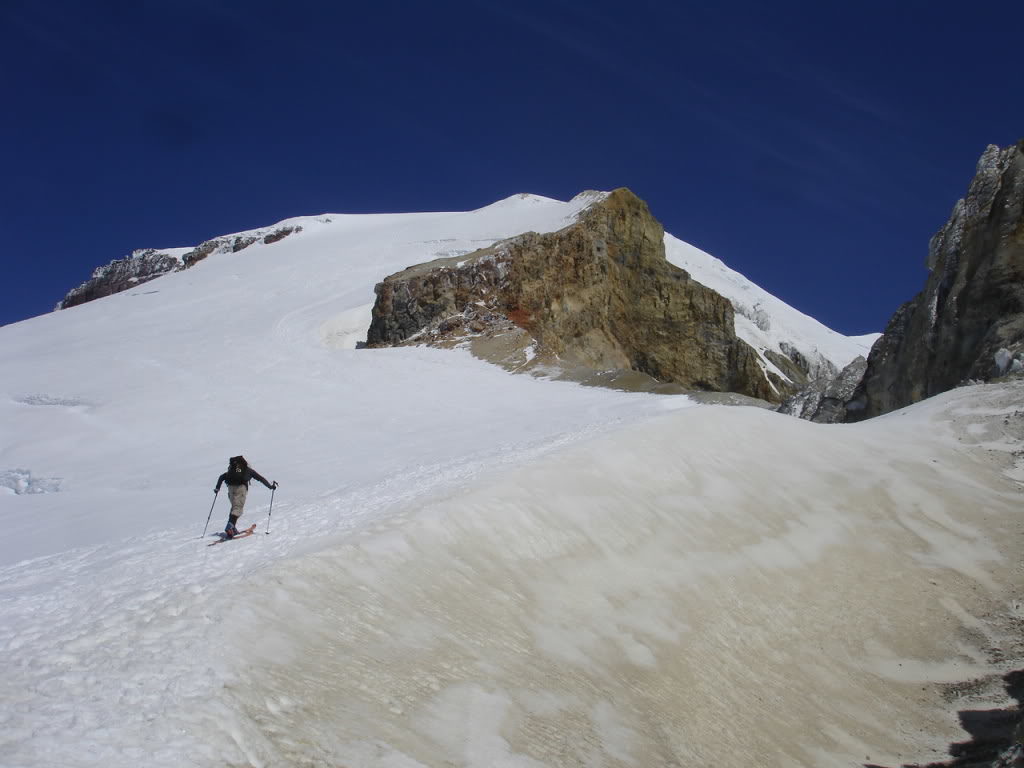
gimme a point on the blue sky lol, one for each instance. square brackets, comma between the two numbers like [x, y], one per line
[814, 147]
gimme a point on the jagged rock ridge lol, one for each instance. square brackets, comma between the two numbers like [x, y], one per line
[140, 267]
[598, 295]
[147, 264]
[968, 322]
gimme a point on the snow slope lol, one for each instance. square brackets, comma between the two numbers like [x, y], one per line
[739, 597]
[122, 404]
[765, 322]
[464, 566]
[721, 587]
[255, 351]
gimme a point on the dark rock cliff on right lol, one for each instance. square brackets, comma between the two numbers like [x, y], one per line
[968, 322]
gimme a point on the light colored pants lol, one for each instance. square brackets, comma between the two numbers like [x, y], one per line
[236, 495]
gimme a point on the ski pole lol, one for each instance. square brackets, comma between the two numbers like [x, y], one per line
[211, 513]
[271, 510]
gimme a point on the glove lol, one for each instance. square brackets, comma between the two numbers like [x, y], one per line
[274, 484]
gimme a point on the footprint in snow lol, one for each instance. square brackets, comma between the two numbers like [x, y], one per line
[43, 399]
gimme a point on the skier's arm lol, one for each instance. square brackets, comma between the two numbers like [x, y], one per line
[220, 480]
[261, 478]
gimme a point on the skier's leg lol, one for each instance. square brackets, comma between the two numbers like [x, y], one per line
[236, 495]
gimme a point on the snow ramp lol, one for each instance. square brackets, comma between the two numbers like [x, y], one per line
[724, 586]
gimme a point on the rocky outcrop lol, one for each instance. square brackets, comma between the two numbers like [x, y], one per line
[121, 274]
[280, 234]
[147, 264]
[968, 322]
[235, 243]
[598, 295]
[825, 399]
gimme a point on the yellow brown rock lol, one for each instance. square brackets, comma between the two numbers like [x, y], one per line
[597, 295]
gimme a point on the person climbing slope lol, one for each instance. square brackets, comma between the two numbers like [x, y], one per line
[237, 478]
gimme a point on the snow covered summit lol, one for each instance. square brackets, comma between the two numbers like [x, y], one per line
[791, 347]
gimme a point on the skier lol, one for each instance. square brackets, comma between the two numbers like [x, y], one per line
[237, 478]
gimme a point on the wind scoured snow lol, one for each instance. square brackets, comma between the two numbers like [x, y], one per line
[463, 566]
[734, 597]
[633, 599]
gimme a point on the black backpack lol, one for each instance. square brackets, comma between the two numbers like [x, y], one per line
[238, 471]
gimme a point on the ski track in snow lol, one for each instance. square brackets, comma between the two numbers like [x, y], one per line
[122, 644]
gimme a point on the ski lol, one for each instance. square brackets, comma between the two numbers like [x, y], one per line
[240, 535]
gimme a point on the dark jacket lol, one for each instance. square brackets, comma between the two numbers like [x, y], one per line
[250, 474]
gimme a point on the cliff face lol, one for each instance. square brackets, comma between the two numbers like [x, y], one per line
[968, 322]
[597, 295]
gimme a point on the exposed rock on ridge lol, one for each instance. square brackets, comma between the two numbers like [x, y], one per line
[140, 267]
[597, 295]
[968, 322]
[147, 264]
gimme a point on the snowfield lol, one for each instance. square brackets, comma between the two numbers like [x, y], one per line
[466, 567]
